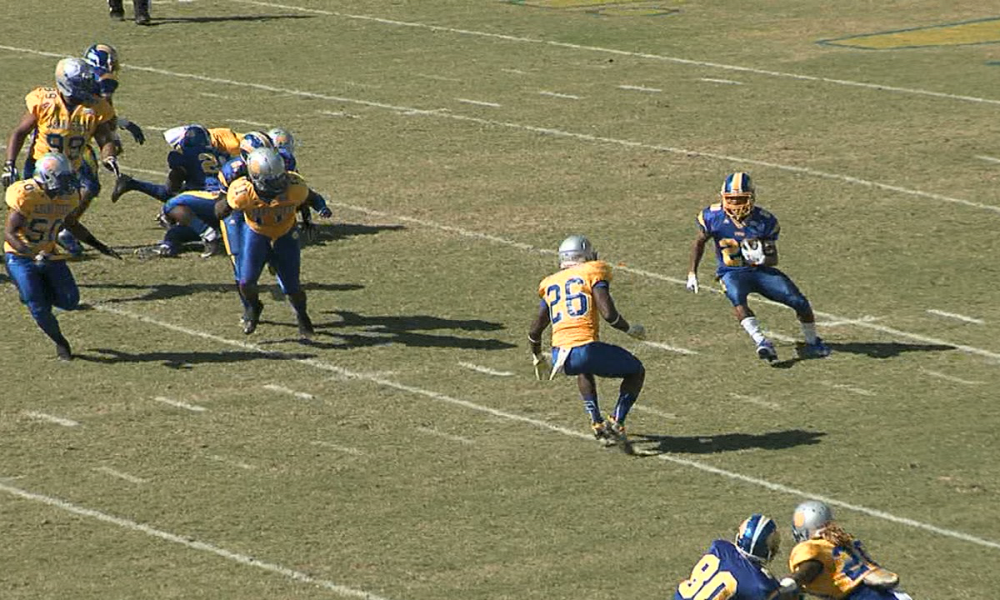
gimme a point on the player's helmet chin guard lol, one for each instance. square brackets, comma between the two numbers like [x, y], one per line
[54, 173]
[738, 195]
[252, 141]
[195, 136]
[809, 518]
[103, 57]
[76, 81]
[758, 539]
[266, 170]
[282, 139]
[574, 250]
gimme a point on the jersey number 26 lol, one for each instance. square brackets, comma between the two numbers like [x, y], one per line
[576, 302]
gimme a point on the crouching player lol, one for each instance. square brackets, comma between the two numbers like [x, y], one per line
[572, 299]
[828, 562]
[38, 209]
[737, 570]
[269, 198]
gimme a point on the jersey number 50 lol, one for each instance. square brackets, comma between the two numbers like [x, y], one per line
[707, 582]
[577, 303]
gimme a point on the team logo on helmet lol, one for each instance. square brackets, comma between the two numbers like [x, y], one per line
[103, 57]
[282, 139]
[252, 141]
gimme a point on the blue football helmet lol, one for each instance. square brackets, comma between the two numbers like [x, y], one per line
[195, 136]
[54, 173]
[738, 195]
[282, 139]
[76, 81]
[574, 250]
[758, 539]
[252, 141]
[266, 170]
[103, 57]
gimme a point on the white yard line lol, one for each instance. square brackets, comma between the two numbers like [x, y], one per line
[437, 77]
[147, 171]
[989, 159]
[338, 447]
[669, 348]
[559, 95]
[575, 433]
[283, 390]
[841, 322]
[121, 475]
[639, 88]
[848, 388]
[756, 401]
[40, 416]
[781, 337]
[477, 102]
[189, 542]
[447, 436]
[653, 411]
[213, 95]
[245, 122]
[154, 127]
[338, 113]
[951, 315]
[179, 404]
[231, 462]
[951, 378]
[486, 370]
[878, 87]
[722, 81]
[514, 71]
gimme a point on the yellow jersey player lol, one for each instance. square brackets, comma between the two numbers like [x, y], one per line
[38, 209]
[828, 562]
[64, 119]
[573, 301]
[269, 198]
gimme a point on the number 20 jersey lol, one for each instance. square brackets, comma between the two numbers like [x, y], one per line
[569, 294]
[727, 234]
[724, 573]
[58, 130]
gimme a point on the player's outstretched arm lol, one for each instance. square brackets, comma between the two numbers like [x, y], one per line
[535, 341]
[697, 251]
[83, 234]
[110, 147]
[14, 144]
[15, 222]
[606, 306]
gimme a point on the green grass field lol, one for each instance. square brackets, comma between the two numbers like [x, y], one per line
[459, 142]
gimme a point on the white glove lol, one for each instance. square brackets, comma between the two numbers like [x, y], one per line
[787, 586]
[752, 251]
[541, 363]
[692, 283]
[637, 331]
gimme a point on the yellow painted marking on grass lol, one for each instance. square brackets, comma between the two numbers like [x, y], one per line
[976, 32]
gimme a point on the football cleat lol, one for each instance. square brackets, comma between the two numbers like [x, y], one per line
[574, 250]
[738, 195]
[260, 309]
[212, 248]
[161, 250]
[122, 185]
[116, 10]
[617, 434]
[251, 317]
[766, 351]
[305, 324]
[601, 433]
[817, 350]
[63, 351]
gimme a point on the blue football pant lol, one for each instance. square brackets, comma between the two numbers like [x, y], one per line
[42, 286]
[766, 281]
[283, 253]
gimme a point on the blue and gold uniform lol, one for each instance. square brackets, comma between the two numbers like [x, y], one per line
[845, 570]
[225, 140]
[724, 573]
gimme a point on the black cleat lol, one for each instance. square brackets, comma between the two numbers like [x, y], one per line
[251, 317]
[116, 10]
[212, 248]
[63, 350]
[141, 8]
[306, 330]
[122, 184]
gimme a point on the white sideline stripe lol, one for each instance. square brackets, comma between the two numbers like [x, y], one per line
[670, 348]
[40, 416]
[331, 368]
[639, 88]
[989, 159]
[682, 61]
[121, 475]
[951, 378]
[951, 315]
[724, 81]
[214, 95]
[478, 102]
[755, 400]
[229, 461]
[437, 77]
[653, 411]
[558, 95]
[188, 542]
[447, 436]
[179, 404]
[848, 388]
[338, 113]
[486, 370]
[245, 122]
[291, 392]
[338, 447]
[444, 113]
[866, 324]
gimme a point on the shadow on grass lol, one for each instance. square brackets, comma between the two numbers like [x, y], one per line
[165, 291]
[182, 360]
[728, 442]
[157, 21]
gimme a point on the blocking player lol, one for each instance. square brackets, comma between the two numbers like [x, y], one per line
[737, 570]
[573, 301]
[65, 120]
[828, 562]
[104, 59]
[744, 237]
[269, 197]
[38, 208]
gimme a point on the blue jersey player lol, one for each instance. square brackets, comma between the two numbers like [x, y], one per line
[744, 237]
[736, 570]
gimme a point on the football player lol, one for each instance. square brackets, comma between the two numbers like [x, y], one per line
[737, 570]
[104, 59]
[38, 208]
[828, 562]
[65, 120]
[744, 236]
[284, 143]
[573, 301]
[268, 197]
[139, 7]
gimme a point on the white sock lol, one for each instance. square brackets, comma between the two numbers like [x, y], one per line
[210, 235]
[753, 328]
[809, 332]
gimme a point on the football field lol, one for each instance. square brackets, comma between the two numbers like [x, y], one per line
[408, 453]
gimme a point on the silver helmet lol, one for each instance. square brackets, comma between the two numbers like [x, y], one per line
[54, 173]
[574, 250]
[266, 171]
[808, 518]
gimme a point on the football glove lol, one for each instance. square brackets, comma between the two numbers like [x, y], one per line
[325, 212]
[752, 251]
[9, 174]
[111, 163]
[541, 363]
[135, 130]
[692, 282]
[636, 331]
[310, 233]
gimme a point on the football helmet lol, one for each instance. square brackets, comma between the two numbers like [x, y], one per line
[282, 139]
[738, 195]
[809, 518]
[758, 539]
[574, 250]
[195, 136]
[76, 81]
[54, 173]
[252, 141]
[102, 57]
[266, 170]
